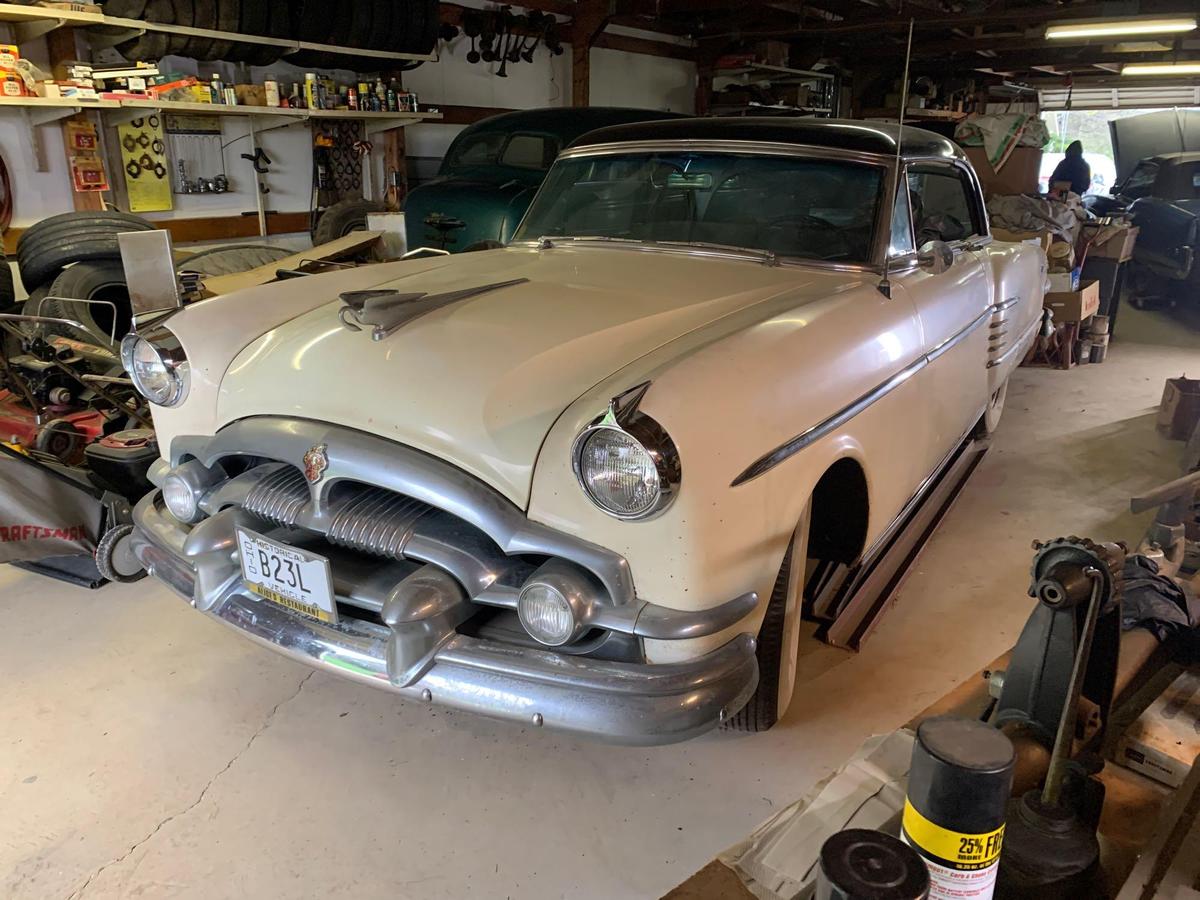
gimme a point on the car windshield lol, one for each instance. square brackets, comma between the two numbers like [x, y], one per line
[788, 206]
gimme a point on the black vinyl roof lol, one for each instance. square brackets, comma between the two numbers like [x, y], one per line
[844, 134]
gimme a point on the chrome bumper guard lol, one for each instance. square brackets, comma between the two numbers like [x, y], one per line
[627, 703]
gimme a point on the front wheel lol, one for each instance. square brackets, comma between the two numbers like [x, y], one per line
[778, 640]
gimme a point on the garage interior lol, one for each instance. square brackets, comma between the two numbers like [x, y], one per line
[267, 151]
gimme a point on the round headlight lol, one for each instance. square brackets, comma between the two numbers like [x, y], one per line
[159, 373]
[618, 473]
[546, 614]
[179, 497]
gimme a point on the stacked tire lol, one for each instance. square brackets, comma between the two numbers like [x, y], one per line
[402, 26]
[75, 256]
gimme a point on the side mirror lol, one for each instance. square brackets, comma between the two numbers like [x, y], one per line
[936, 257]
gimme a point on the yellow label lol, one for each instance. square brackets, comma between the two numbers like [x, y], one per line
[295, 605]
[955, 849]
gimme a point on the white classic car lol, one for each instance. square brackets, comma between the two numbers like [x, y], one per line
[575, 481]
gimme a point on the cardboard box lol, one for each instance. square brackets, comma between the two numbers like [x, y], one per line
[1074, 306]
[1110, 241]
[773, 53]
[1063, 282]
[1042, 239]
[1165, 740]
[251, 94]
[1018, 175]
[1179, 410]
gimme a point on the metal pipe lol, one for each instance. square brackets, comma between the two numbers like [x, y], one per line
[1065, 739]
[260, 203]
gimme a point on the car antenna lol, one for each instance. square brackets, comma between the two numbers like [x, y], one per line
[885, 286]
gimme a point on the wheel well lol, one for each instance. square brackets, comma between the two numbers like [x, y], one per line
[840, 509]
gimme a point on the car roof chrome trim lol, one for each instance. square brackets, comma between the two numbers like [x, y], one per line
[769, 148]
[811, 435]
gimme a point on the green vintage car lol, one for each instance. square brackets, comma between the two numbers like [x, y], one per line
[492, 170]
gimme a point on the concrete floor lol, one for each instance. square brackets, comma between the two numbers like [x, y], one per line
[146, 751]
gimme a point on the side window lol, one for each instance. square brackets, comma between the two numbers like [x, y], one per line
[529, 151]
[943, 204]
[1141, 180]
[902, 235]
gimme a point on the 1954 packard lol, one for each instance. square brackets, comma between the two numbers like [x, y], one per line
[578, 481]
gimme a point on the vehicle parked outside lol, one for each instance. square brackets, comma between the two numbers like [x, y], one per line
[492, 170]
[580, 481]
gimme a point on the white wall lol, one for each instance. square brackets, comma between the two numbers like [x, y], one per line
[618, 78]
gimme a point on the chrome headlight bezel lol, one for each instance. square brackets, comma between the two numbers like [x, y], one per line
[169, 352]
[624, 416]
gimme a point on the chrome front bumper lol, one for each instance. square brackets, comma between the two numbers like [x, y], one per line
[628, 703]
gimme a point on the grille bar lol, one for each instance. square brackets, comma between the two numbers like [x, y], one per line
[280, 496]
[376, 521]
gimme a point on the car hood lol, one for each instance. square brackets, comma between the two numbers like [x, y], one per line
[490, 208]
[479, 382]
[1137, 137]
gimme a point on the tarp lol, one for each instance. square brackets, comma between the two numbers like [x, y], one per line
[44, 513]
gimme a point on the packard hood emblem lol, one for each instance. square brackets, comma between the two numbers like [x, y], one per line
[315, 463]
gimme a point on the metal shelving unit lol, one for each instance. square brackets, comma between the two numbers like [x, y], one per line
[766, 73]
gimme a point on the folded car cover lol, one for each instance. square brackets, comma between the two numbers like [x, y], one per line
[43, 512]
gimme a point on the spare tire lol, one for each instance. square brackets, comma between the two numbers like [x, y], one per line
[103, 280]
[50, 245]
[344, 217]
[151, 45]
[8, 295]
[229, 260]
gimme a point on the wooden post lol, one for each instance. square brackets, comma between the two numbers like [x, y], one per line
[395, 168]
[590, 18]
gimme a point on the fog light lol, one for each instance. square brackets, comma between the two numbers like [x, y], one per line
[546, 614]
[179, 497]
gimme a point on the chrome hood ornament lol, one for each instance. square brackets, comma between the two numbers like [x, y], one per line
[316, 461]
[386, 310]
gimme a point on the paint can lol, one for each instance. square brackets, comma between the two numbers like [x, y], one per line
[858, 864]
[1099, 348]
[958, 787]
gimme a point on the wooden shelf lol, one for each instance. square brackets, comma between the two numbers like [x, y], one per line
[41, 110]
[29, 22]
[945, 115]
[765, 72]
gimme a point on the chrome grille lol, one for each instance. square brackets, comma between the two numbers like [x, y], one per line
[376, 521]
[279, 496]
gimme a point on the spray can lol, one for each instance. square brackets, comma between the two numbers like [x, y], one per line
[310, 90]
[958, 788]
[857, 864]
[217, 88]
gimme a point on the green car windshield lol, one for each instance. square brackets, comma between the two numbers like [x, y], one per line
[789, 206]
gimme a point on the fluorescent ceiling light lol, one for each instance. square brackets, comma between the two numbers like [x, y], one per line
[1180, 68]
[1120, 27]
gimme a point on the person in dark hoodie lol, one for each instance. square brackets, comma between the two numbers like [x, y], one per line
[1074, 168]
